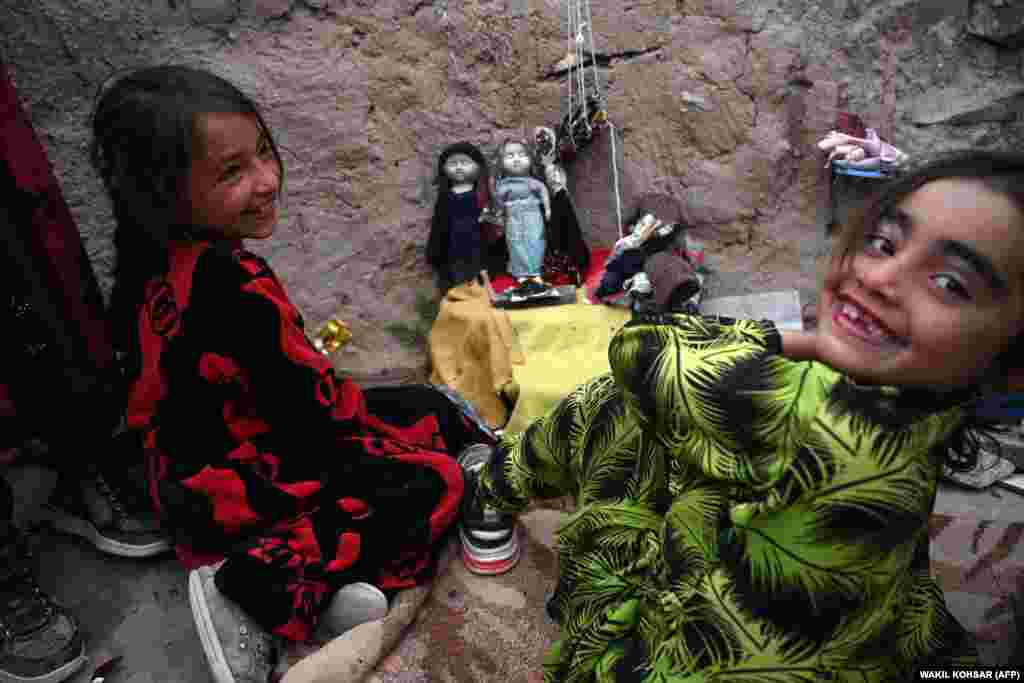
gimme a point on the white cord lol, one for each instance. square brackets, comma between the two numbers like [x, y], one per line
[602, 100]
[615, 178]
[593, 54]
[580, 69]
[569, 48]
[574, 29]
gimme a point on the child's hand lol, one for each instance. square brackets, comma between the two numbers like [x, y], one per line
[799, 345]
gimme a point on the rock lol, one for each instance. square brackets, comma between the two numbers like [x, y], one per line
[207, 12]
[518, 8]
[694, 103]
[270, 9]
[998, 21]
[716, 104]
[967, 105]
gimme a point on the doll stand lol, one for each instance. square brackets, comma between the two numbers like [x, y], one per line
[555, 296]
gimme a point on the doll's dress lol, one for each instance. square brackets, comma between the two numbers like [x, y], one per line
[524, 224]
[465, 241]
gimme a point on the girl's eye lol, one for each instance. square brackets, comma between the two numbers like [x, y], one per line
[879, 244]
[231, 174]
[952, 285]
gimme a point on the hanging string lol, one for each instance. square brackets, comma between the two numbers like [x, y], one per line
[602, 98]
[615, 178]
[580, 71]
[578, 18]
[569, 33]
[593, 57]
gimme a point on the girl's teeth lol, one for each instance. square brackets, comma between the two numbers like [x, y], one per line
[867, 324]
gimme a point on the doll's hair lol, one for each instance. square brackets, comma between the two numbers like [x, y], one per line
[437, 240]
[665, 207]
[500, 152]
[144, 138]
[1000, 172]
[470, 150]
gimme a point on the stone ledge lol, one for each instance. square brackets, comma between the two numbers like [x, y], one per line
[213, 11]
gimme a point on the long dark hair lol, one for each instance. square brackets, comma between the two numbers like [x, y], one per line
[437, 242]
[1000, 172]
[144, 130]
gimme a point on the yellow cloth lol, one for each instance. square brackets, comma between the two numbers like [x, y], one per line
[564, 347]
[472, 349]
[541, 353]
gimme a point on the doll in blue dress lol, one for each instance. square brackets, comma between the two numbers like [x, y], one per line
[526, 206]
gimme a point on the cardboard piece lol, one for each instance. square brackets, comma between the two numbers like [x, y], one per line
[781, 307]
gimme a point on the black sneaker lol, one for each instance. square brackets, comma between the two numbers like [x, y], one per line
[40, 641]
[530, 289]
[534, 288]
[490, 545]
[114, 516]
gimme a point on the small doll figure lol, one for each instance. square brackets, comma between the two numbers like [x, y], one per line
[527, 206]
[459, 246]
[567, 258]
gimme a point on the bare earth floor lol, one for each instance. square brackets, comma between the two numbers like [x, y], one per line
[139, 609]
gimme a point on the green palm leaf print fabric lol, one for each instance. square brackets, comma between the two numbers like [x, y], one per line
[740, 516]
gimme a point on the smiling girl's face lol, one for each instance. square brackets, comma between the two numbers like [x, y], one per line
[934, 294]
[235, 178]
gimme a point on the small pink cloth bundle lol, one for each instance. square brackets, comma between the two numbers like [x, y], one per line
[869, 152]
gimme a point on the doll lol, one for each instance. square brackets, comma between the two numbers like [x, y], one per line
[567, 257]
[526, 206]
[460, 246]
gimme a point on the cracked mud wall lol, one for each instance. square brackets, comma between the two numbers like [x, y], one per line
[717, 104]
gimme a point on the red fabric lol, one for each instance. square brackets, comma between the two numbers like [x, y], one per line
[59, 242]
[7, 407]
[851, 124]
[264, 448]
[46, 268]
[598, 255]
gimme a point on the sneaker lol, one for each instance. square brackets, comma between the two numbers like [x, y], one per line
[529, 289]
[40, 641]
[489, 542]
[355, 604]
[237, 649]
[534, 288]
[113, 518]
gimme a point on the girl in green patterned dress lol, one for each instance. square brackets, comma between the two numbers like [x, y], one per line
[753, 505]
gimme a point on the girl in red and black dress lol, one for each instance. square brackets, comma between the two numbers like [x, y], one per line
[259, 454]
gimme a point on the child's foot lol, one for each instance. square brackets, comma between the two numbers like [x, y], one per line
[237, 649]
[355, 604]
[108, 514]
[41, 641]
[489, 542]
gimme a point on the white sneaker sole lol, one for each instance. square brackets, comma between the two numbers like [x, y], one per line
[491, 536]
[78, 527]
[207, 632]
[496, 554]
[62, 674]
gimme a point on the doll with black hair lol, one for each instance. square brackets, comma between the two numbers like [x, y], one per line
[460, 244]
[567, 257]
